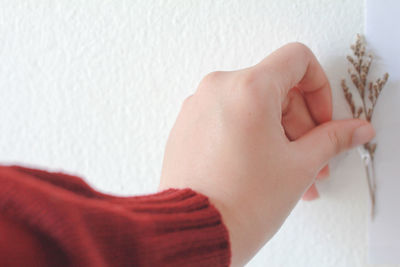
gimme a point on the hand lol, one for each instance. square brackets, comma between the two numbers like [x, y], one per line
[254, 140]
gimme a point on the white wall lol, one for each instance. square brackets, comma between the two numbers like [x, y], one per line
[93, 88]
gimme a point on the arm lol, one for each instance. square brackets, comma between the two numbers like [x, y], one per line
[56, 218]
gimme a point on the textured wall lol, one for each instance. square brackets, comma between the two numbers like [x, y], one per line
[93, 88]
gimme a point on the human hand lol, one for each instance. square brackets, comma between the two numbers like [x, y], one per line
[254, 140]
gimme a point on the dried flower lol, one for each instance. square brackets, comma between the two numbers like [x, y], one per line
[368, 92]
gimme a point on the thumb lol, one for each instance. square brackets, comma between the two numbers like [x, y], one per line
[331, 138]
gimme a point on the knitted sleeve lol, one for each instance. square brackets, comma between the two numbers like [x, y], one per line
[58, 219]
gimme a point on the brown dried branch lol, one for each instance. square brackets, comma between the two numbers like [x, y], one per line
[361, 64]
[370, 90]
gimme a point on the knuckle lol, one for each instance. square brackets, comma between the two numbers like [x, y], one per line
[239, 93]
[249, 91]
[336, 141]
[187, 101]
[301, 50]
[211, 80]
[247, 81]
[299, 47]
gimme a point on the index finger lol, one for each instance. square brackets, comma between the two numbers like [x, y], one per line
[294, 65]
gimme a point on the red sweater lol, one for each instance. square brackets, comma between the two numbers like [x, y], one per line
[55, 219]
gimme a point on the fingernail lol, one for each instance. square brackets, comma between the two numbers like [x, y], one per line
[324, 173]
[311, 194]
[362, 135]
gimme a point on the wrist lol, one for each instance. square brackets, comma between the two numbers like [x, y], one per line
[243, 241]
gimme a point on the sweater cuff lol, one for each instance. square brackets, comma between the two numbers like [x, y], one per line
[200, 238]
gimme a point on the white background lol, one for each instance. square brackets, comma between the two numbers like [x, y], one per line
[384, 229]
[93, 87]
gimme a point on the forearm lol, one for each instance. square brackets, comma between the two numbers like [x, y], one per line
[170, 228]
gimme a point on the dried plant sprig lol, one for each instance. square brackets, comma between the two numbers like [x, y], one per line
[367, 90]
[361, 64]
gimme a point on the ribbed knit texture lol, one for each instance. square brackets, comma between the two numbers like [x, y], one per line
[75, 225]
